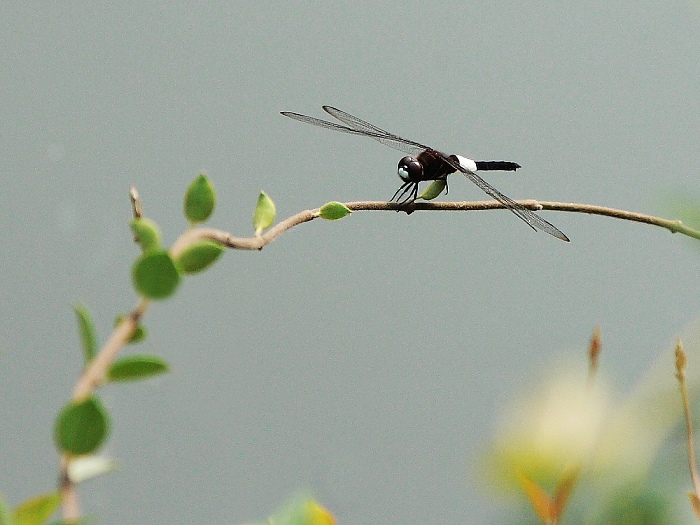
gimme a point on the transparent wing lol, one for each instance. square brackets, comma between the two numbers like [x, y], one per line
[377, 133]
[356, 126]
[530, 218]
[356, 123]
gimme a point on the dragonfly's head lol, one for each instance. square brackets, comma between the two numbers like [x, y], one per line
[410, 170]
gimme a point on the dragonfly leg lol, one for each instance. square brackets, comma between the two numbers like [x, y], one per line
[402, 191]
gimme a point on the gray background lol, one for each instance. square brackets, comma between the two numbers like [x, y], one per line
[366, 360]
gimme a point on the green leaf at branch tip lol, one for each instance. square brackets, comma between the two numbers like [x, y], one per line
[36, 511]
[333, 211]
[88, 339]
[135, 367]
[138, 335]
[155, 275]
[433, 190]
[265, 212]
[82, 427]
[200, 200]
[198, 256]
[146, 233]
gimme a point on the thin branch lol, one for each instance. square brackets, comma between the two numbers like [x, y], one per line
[674, 226]
[594, 349]
[258, 243]
[92, 377]
[95, 372]
[681, 363]
[70, 507]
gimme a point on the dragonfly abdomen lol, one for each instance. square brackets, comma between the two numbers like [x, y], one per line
[496, 165]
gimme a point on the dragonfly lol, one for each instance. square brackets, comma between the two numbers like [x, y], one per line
[424, 163]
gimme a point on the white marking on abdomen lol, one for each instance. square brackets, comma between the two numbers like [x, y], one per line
[467, 164]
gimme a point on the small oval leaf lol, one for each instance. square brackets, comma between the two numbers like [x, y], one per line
[433, 190]
[81, 427]
[146, 233]
[200, 200]
[154, 275]
[333, 211]
[135, 367]
[199, 256]
[87, 332]
[36, 511]
[265, 212]
[88, 467]
[138, 335]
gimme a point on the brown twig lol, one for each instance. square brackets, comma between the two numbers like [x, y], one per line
[92, 377]
[594, 349]
[258, 243]
[681, 362]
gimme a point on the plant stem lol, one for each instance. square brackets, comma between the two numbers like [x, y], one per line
[258, 243]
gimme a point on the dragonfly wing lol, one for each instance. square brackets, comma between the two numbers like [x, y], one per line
[354, 122]
[377, 133]
[321, 123]
[530, 218]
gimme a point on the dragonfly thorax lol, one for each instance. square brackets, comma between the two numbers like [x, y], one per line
[427, 165]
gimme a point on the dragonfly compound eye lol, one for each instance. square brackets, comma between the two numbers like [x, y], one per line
[410, 170]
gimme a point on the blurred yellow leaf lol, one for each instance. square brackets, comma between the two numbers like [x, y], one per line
[543, 504]
[318, 515]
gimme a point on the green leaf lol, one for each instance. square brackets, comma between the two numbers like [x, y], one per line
[333, 211]
[81, 427]
[200, 200]
[265, 212]
[135, 367]
[138, 335]
[154, 275]
[36, 511]
[87, 332]
[5, 514]
[146, 233]
[433, 190]
[633, 504]
[88, 467]
[564, 488]
[199, 256]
